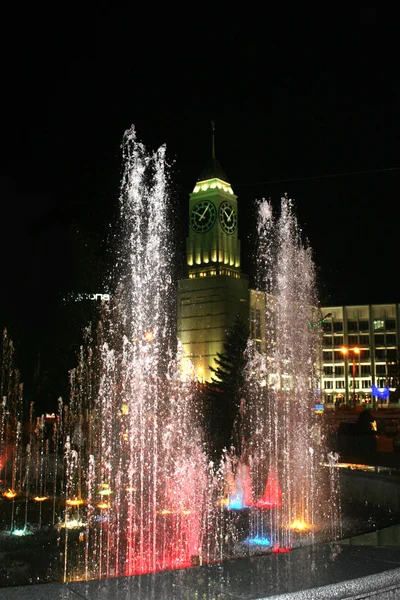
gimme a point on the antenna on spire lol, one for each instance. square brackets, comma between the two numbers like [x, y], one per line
[213, 138]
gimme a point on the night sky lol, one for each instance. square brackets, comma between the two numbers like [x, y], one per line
[306, 103]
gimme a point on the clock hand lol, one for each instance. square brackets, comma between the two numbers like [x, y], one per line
[204, 213]
[228, 216]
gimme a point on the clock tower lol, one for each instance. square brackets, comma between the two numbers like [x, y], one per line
[215, 291]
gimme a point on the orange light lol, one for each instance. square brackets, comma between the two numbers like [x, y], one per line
[10, 494]
[148, 336]
[40, 498]
[299, 525]
[356, 350]
[103, 505]
[74, 502]
[344, 350]
[165, 512]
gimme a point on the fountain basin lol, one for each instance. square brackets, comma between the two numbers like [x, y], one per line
[359, 567]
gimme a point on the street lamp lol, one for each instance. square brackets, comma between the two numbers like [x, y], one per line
[356, 352]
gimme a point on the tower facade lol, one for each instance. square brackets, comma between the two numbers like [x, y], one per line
[215, 291]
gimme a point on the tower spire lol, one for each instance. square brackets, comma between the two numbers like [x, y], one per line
[213, 139]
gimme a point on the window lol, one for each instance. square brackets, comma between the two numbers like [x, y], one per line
[380, 369]
[365, 370]
[353, 340]
[364, 354]
[381, 383]
[338, 355]
[340, 384]
[352, 326]
[339, 370]
[364, 325]
[328, 385]
[328, 370]
[338, 326]
[390, 324]
[327, 327]
[338, 340]
[391, 355]
[378, 324]
[380, 354]
[391, 339]
[379, 339]
[365, 383]
[364, 340]
[327, 340]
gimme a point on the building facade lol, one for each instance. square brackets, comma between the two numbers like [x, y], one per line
[360, 350]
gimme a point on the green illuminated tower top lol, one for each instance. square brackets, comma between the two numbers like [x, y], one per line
[213, 247]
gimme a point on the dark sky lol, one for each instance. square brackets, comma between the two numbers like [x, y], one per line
[296, 97]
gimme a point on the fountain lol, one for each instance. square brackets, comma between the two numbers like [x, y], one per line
[121, 473]
[140, 468]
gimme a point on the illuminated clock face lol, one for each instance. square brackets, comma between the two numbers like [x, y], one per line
[203, 216]
[227, 217]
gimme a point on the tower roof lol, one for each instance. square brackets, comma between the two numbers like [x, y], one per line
[213, 170]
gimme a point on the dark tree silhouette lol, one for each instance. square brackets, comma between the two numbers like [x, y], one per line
[223, 394]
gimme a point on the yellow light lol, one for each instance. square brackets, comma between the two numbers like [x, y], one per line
[148, 336]
[356, 350]
[223, 501]
[196, 189]
[10, 494]
[40, 498]
[74, 502]
[164, 512]
[74, 524]
[186, 512]
[299, 525]
[343, 350]
[130, 489]
[106, 491]
[124, 409]
[103, 505]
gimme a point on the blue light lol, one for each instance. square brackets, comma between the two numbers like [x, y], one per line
[382, 394]
[236, 504]
[258, 541]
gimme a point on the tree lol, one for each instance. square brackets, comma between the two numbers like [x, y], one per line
[223, 395]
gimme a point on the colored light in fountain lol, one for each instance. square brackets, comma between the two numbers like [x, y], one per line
[103, 505]
[223, 502]
[164, 512]
[10, 494]
[148, 336]
[105, 492]
[277, 549]
[21, 532]
[74, 502]
[73, 524]
[300, 525]
[40, 498]
[258, 541]
[236, 504]
[186, 512]
[272, 495]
